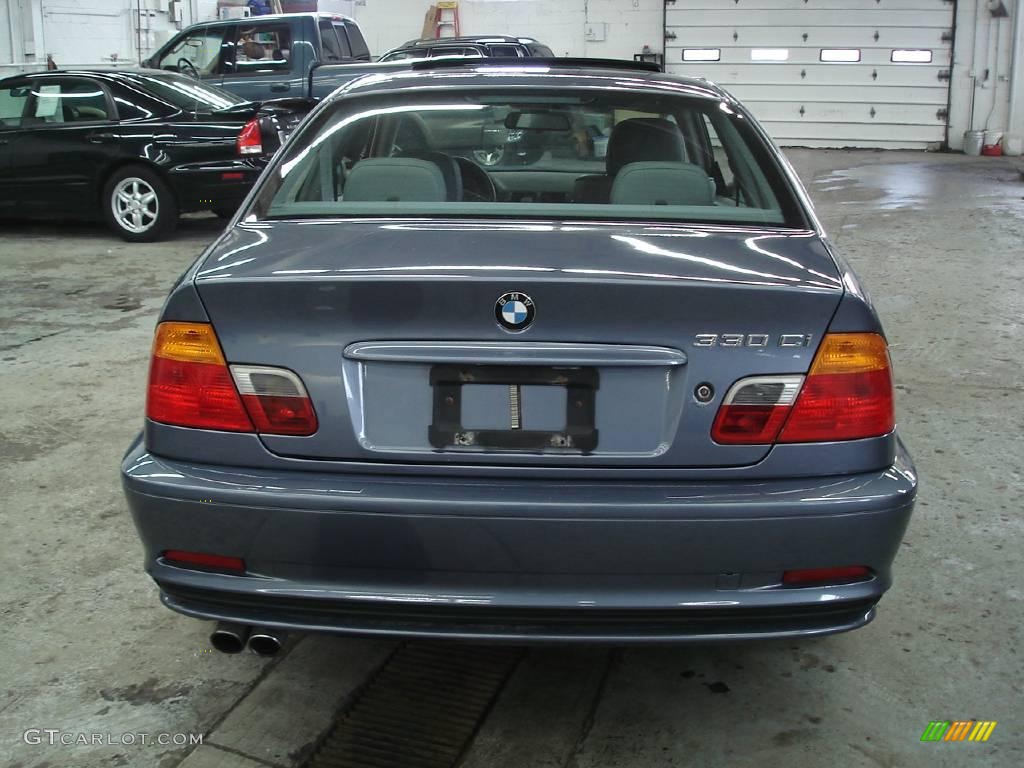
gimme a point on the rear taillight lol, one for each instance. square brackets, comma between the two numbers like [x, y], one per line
[250, 140]
[847, 395]
[191, 385]
[275, 399]
[189, 382]
[755, 409]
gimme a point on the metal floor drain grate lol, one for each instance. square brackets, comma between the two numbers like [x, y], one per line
[419, 711]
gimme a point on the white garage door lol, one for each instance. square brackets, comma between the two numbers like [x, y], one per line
[823, 73]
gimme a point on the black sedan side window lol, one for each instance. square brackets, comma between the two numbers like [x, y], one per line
[13, 104]
[60, 100]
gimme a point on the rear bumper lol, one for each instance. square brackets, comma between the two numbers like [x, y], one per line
[524, 560]
[213, 185]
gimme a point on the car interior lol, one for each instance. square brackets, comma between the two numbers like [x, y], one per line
[582, 154]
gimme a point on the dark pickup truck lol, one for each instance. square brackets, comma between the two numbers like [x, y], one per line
[263, 57]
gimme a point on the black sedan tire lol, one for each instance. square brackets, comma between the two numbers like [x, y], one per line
[138, 205]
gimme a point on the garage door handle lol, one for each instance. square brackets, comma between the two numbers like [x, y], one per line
[279, 87]
[97, 138]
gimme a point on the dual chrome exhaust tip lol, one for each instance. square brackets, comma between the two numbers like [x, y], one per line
[228, 637]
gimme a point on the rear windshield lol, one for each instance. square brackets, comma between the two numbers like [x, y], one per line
[615, 155]
[185, 93]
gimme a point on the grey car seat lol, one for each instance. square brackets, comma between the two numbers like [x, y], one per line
[404, 179]
[661, 183]
[637, 140]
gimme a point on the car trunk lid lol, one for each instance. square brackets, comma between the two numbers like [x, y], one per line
[395, 328]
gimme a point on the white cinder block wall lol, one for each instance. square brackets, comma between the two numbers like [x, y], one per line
[982, 89]
[627, 25]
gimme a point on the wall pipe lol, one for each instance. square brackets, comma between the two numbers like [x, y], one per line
[1014, 119]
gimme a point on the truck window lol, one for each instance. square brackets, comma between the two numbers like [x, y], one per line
[334, 42]
[453, 50]
[407, 53]
[360, 49]
[503, 51]
[262, 48]
[200, 48]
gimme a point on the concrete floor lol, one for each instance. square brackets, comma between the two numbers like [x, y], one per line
[87, 648]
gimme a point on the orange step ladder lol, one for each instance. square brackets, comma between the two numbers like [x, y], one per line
[446, 19]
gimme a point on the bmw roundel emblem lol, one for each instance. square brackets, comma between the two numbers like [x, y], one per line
[514, 311]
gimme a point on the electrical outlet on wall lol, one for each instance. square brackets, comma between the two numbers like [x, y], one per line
[595, 32]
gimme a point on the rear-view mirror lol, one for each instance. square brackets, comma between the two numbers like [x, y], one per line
[539, 120]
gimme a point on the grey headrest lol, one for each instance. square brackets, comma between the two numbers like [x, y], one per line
[397, 180]
[643, 138]
[659, 183]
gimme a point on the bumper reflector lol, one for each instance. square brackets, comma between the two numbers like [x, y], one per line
[204, 560]
[821, 577]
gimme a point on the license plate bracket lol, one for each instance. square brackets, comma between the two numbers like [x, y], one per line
[580, 433]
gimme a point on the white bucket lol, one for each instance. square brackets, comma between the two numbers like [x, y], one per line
[1013, 144]
[973, 141]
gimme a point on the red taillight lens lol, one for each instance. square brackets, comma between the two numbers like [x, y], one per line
[755, 409]
[191, 385]
[204, 560]
[250, 140]
[276, 400]
[189, 382]
[848, 394]
[809, 577]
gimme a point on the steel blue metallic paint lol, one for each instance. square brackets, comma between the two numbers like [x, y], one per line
[341, 533]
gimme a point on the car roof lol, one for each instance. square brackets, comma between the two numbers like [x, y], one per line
[586, 74]
[271, 16]
[110, 73]
[430, 42]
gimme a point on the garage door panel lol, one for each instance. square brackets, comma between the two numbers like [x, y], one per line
[796, 76]
[794, 132]
[749, 93]
[872, 57]
[823, 37]
[847, 112]
[797, 5]
[806, 17]
[803, 100]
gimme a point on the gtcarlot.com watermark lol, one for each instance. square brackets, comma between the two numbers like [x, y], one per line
[55, 736]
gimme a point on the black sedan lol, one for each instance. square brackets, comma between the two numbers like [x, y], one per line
[137, 148]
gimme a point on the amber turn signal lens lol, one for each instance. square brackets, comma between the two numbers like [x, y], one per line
[187, 342]
[851, 353]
